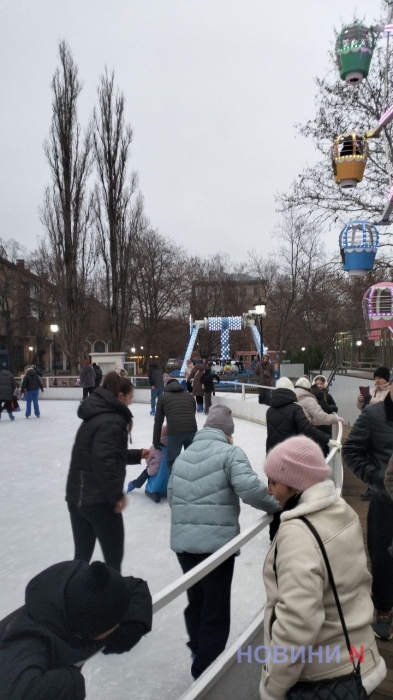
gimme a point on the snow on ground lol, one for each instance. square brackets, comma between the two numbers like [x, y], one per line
[35, 533]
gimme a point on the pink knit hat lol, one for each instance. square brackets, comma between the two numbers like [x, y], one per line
[297, 462]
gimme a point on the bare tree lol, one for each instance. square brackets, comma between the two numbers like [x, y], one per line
[43, 302]
[162, 285]
[66, 214]
[118, 214]
[290, 279]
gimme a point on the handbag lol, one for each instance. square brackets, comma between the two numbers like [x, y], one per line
[348, 687]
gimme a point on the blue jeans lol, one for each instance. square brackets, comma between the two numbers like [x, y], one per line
[155, 393]
[175, 443]
[32, 396]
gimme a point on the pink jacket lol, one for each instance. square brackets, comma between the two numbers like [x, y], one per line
[154, 460]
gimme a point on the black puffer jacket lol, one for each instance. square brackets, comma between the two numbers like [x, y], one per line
[39, 655]
[156, 376]
[31, 381]
[7, 385]
[99, 456]
[178, 407]
[285, 418]
[369, 446]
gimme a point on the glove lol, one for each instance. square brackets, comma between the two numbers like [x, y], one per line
[335, 443]
[126, 636]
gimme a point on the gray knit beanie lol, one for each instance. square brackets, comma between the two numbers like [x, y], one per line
[220, 418]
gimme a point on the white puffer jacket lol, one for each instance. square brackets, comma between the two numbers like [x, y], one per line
[312, 409]
[301, 610]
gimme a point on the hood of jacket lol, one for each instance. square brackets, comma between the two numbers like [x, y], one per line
[173, 386]
[103, 401]
[282, 397]
[45, 604]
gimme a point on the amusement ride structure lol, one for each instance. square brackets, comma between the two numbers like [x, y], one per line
[359, 239]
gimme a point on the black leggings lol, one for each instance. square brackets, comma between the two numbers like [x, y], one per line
[99, 522]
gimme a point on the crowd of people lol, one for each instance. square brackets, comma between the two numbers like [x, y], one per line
[319, 592]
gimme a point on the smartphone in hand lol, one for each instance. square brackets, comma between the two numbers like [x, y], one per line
[364, 391]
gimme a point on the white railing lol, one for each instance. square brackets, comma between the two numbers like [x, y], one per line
[206, 682]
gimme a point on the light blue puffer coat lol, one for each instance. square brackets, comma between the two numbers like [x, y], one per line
[206, 482]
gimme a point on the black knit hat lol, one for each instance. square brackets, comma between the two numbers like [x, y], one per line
[383, 373]
[96, 599]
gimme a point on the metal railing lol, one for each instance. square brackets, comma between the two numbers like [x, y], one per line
[204, 684]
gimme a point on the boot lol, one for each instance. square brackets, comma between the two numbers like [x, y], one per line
[199, 408]
[153, 412]
[154, 496]
[11, 417]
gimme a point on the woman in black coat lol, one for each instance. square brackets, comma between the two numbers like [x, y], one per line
[285, 418]
[94, 491]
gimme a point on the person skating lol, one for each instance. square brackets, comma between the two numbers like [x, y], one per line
[30, 386]
[311, 407]
[209, 379]
[7, 387]
[156, 381]
[204, 489]
[264, 373]
[87, 378]
[301, 612]
[153, 463]
[72, 611]
[94, 491]
[177, 406]
[326, 401]
[98, 373]
[195, 378]
[285, 419]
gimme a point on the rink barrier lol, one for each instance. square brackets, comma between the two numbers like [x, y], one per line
[226, 679]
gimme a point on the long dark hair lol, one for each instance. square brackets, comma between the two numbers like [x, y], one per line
[117, 385]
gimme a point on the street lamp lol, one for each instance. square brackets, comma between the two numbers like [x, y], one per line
[54, 328]
[359, 344]
[133, 349]
[303, 349]
[260, 310]
[30, 351]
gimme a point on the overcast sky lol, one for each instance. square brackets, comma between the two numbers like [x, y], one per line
[213, 89]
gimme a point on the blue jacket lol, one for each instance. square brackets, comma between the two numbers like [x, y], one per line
[206, 482]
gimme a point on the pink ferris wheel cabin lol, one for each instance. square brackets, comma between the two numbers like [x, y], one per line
[378, 309]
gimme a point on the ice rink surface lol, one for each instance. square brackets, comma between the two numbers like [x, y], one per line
[35, 533]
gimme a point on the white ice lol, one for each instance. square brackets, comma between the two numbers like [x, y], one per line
[35, 533]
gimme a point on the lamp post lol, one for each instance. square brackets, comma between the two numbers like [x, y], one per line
[31, 349]
[54, 328]
[260, 310]
[359, 344]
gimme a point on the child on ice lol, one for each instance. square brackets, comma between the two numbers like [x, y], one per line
[153, 463]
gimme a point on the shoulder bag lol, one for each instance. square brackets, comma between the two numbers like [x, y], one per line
[348, 687]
